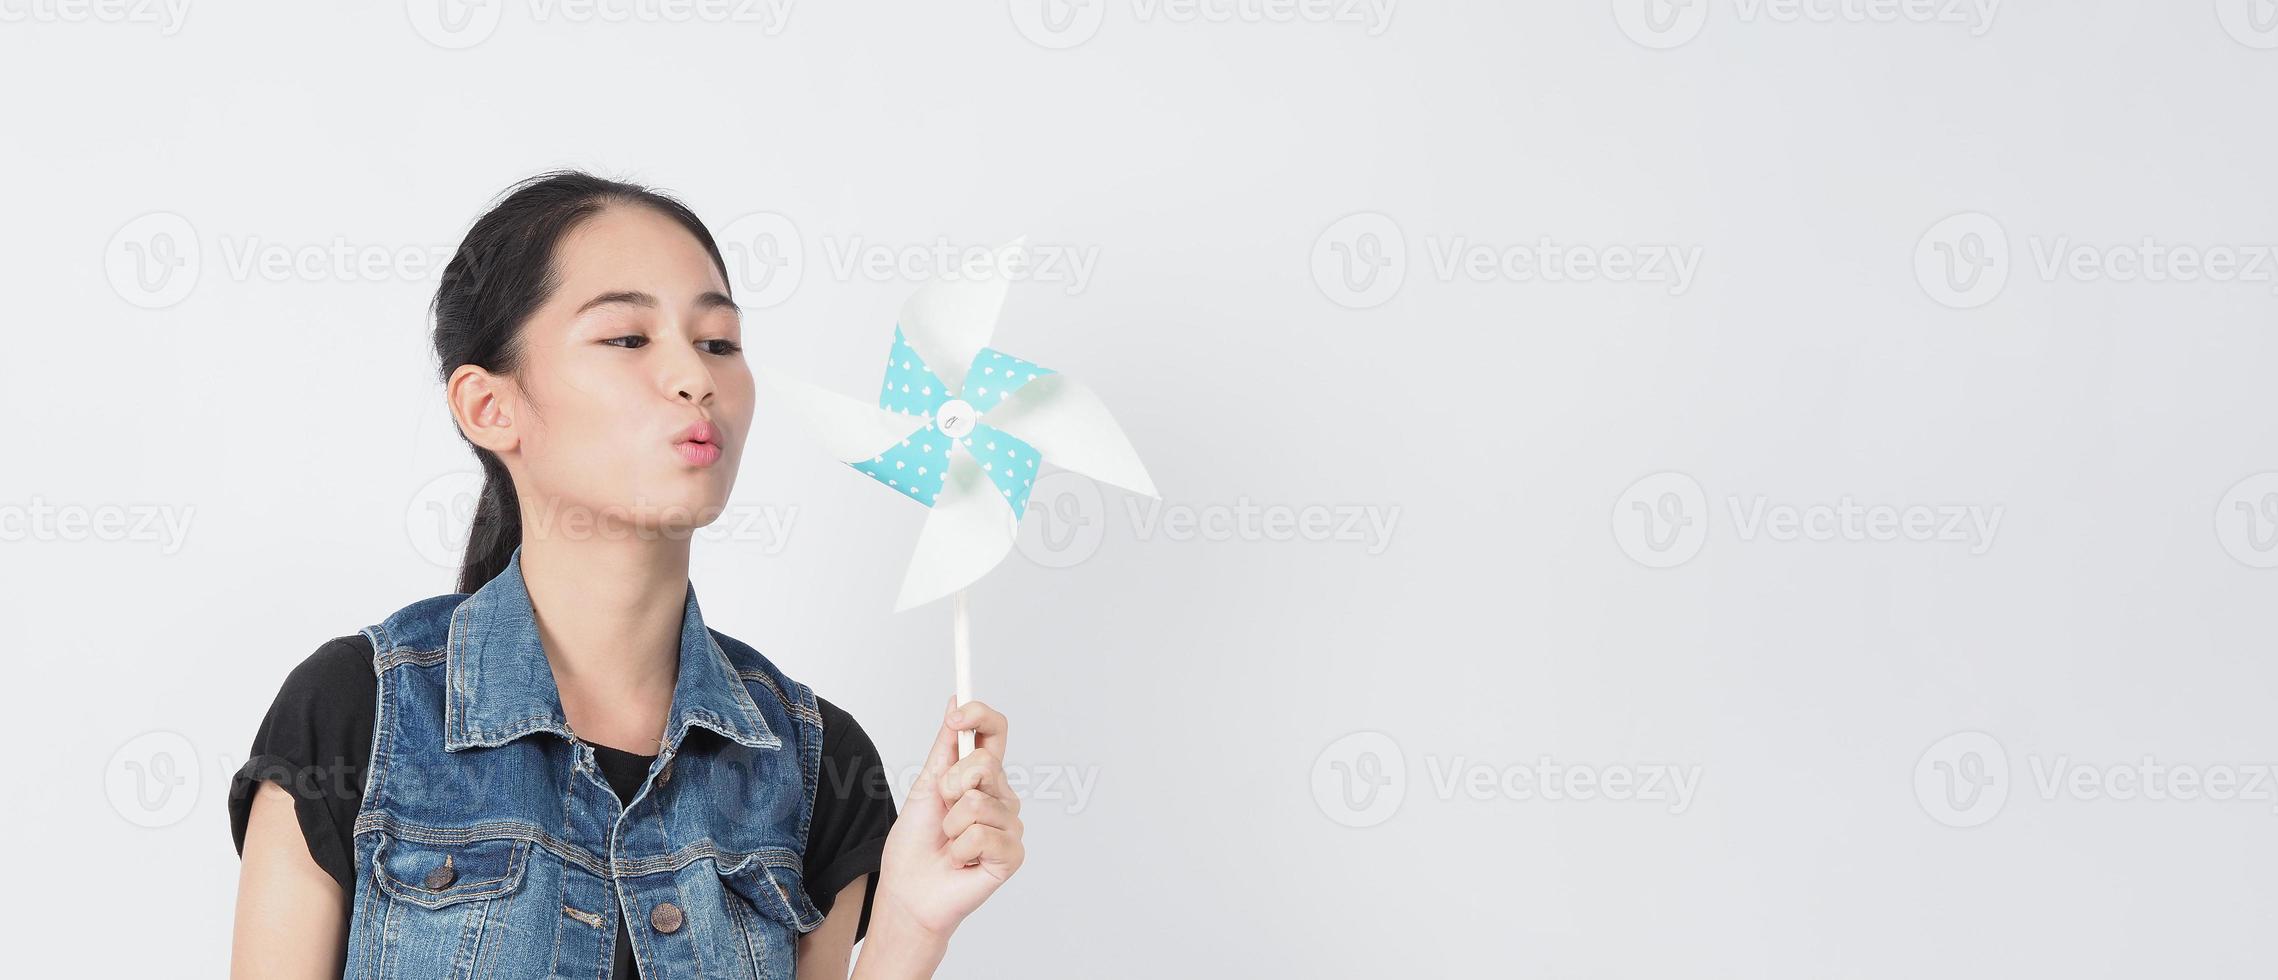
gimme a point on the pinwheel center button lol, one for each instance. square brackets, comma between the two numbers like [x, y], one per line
[955, 418]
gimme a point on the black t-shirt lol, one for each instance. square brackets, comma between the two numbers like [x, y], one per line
[317, 739]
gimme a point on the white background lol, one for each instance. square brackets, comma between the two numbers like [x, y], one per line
[1884, 724]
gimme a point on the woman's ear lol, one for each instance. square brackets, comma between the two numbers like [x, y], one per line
[483, 405]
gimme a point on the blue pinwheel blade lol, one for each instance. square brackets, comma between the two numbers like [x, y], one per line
[996, 374]
[1008, 462]
[915, 467]
[911, 387]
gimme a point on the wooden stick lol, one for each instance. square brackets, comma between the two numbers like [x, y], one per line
[959, 625]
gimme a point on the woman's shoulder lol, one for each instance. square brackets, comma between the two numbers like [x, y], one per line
[839, 728]
[325, 707]
[340, 670]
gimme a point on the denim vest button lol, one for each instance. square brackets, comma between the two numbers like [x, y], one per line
[665, 917]
[443, 875]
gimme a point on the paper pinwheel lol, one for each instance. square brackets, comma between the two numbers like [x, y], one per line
[962, 428]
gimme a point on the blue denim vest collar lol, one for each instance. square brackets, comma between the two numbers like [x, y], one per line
[502, 687]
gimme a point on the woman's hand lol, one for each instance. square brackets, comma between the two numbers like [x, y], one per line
[957, 838]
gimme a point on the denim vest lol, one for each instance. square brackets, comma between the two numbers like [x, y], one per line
[490, 845]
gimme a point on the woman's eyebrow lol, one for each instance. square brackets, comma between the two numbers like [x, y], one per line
[710, 299]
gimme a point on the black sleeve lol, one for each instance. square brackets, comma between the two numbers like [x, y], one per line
[854, 807]
[315, 742]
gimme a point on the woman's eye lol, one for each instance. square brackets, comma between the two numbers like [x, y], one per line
[637, 341]
[723, 347]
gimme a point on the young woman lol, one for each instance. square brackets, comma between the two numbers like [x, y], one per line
[560, 770]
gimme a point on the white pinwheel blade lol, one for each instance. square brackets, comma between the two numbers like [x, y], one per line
[849, 430]
[970, 530]
[950, 318]
[1071, 427]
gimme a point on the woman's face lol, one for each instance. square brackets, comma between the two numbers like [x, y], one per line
[638, 342]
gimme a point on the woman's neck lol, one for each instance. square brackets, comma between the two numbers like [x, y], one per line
[609, 613]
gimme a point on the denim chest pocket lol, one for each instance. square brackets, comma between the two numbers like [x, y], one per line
[437, 876]
[442, 910]
[769, 904]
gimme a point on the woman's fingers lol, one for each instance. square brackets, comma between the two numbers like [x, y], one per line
[986, 724]
[983, 771]
[983, 768]
[979, 809]
[981, 813]
[999, 852]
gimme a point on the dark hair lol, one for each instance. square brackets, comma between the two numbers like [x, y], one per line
[502, 272]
